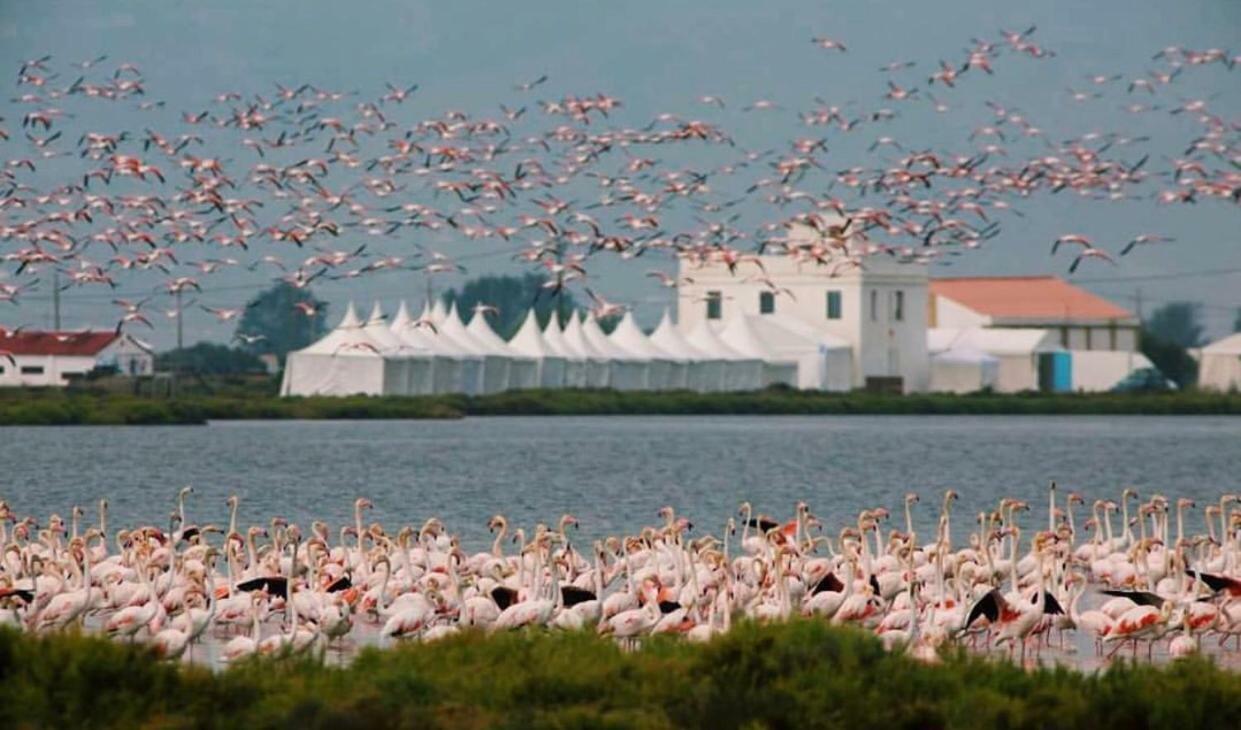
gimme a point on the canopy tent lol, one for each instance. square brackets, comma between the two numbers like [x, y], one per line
[1219, 367]
[523, 371]
[445, 372]
[665, 371]
[740, 335]
[346, 361]
[630, 371]
[494, 372]
[824, 361]
[960, 368]
[404, 368]
[577, 370]
[469, 379]
[741, 372]
[598, 367]
[1016, 350]
[702, 373]
[529, 342]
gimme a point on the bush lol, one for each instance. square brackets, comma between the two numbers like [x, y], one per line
[803, 674]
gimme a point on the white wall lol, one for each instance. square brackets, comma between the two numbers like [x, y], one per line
[1100, 370]
[881, 347]
[54, 370]
[951, 315]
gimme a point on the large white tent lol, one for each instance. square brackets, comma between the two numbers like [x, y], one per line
[418, 336]
[739, 334]
[702, 373]
[666, 372]
[576, 372]
[630, 371]
[824, 362]
[598, 366]
[741, 372]
[1219, 367]
[495, 366]
[346, 361]
[523, 372]
[528, 342]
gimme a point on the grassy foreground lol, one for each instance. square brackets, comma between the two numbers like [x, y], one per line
[258, 401]
[798, 675]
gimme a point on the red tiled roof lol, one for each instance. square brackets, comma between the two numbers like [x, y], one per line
[72, 344]
[1027, 298]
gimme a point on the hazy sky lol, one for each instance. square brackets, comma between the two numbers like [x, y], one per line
[662, 55]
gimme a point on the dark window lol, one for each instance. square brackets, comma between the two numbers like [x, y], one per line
[1, 370]
[714, 305]
[766, 302]
[874, 305]
[833, 304]
[32, 369]
[898, 306]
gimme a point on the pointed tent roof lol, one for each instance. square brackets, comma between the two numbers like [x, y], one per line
[598, 340]
[377, 328]
[454, 332]
[1230, 345]
[402, 318]
[576, 342]
[739, 335]
[668, 338]
[529, 338]
[553, 337]
[789, 335]
[348, 338]
[630, 338]
[705, 339]
[487, 337]
[435, 310]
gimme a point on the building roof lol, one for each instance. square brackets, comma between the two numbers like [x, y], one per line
[1027, 298]
[66, 344]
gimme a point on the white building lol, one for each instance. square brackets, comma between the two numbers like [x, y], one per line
[30, 358]
[877, 309]
[1031, 322]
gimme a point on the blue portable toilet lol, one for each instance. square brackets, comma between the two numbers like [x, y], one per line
[1055, 371]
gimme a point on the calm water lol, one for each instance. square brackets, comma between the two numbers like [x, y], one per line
[613, 473]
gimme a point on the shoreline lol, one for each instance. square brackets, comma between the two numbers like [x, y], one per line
[74, 407]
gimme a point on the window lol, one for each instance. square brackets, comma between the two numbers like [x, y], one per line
[32, 369]
[1088, 338]
[1111, 335]
[898, 306]
[766, 302]
[833, 304]
[714, 305]
[874, 305]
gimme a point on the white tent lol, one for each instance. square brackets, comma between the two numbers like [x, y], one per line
[550, 367]
[824, 361]
[740, 335]
[346, 361]
[741, 372]
[1016, 350]
[960, 368]
[630, 371]
[445, 372]
[400, 363]
[1219, 367]
[666, 372]
[598, 367]
[469, 376]
[576, 372]
[523, 371]
[494, 374]
[699, 371]
[1101, 370]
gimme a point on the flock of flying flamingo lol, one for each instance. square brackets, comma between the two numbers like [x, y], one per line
[278, 589]
[303, 183]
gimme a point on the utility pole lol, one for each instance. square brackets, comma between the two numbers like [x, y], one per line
[55, 300]
[1137, 298]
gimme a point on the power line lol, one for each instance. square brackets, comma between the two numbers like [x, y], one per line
[1157, 277]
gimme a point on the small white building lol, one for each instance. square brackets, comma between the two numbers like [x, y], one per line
[36, 358]
[877, 308]
[1099, 337]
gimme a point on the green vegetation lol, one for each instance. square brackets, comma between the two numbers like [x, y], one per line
[1166, 337]
[209, 358]
[234, 398]
[272, 322]
[798, 675]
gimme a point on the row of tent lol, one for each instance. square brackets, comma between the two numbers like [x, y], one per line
[437, 353]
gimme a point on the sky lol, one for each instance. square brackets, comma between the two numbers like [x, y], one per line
[660, 56]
